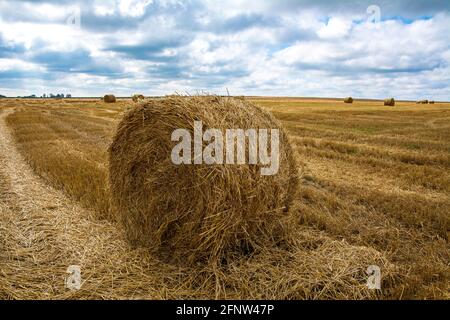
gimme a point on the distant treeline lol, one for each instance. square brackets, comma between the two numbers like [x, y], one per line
[51, 95]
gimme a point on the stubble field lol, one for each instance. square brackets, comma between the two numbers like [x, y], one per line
[375, 190]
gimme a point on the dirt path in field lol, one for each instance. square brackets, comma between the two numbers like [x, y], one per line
[443, 123]
[42, 233]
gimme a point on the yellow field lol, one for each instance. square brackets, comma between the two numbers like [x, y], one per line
[375, 189]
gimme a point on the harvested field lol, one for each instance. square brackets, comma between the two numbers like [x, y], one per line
[375, 190]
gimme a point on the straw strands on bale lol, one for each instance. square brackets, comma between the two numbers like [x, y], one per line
[109, 98]
[197, 212]
[348, 100]
[389, 102]
[137, 97]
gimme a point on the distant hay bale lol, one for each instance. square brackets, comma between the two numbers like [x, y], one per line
[196, 212]
[348, 100]
[389, 102]
[109, 98]
[137, 97]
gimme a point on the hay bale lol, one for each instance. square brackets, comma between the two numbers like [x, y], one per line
[109, 98]
[189, 213]
[348, 100]
[137, 97]
[389, 102]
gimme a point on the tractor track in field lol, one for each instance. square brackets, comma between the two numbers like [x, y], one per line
[42, 231]
[433, 123]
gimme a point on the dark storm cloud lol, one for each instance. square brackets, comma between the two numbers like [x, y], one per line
[8, 77]
[342, 69]
[184, 14]
[242, 22]
[214, 44]
[150, 50]
[9, 49]
[404, 8]
[79, 61]
[108, 23]
[167, 71]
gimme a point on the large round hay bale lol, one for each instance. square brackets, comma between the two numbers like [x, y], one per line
[389, 102]
[137, 97]
[189, 213]
[109, 98]
[348, 100]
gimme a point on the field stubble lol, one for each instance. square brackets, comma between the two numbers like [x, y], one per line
[375, 190]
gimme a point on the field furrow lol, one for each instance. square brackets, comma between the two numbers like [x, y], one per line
[375, 184]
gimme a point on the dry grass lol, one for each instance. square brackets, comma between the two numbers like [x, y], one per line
[80, 141]
[137, 97]
[376, 190]
[109, 98]
[201, 212]
[389, 102]
[348, 100]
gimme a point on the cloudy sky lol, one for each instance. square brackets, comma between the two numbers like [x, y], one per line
[370, 49]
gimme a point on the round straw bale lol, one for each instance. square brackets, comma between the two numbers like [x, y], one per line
[348, 100]
[389, 102]
[137, 97]
[109, 98]
[197, 212]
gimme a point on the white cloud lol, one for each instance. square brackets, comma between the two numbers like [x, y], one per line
[335, 28]
[18, 65]
[130, 8]
[247, 47]
[104, 7]
[133, 8]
